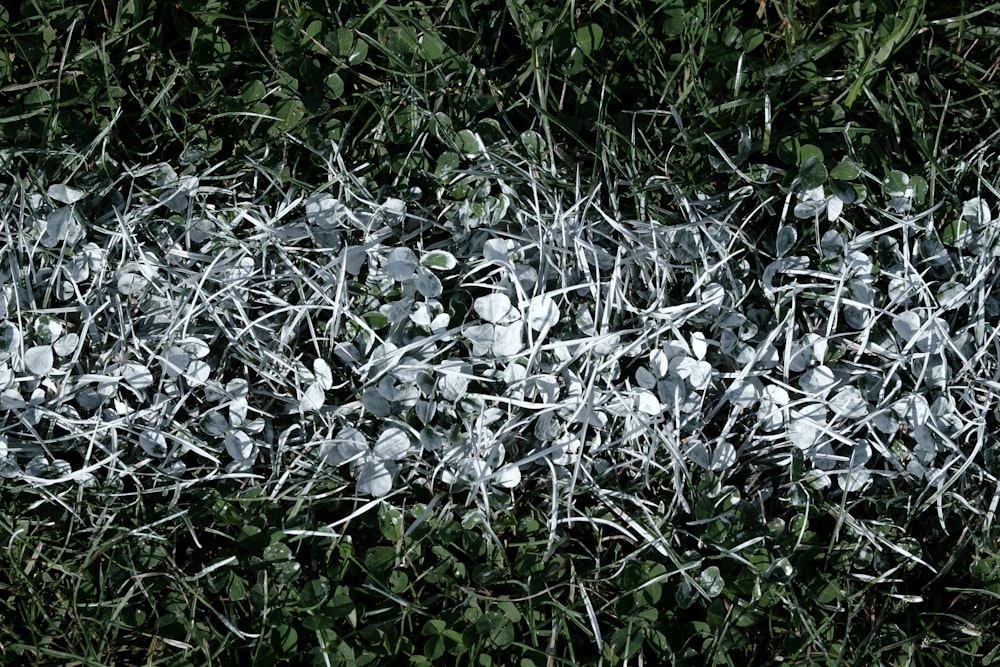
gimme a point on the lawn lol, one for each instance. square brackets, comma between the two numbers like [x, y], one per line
[499, 333]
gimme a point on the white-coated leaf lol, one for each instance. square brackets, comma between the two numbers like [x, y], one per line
[65, 194]
[498, 249]
[10, 341]
[713, 294]
[374, 478]
[313, 398]
[153, 443]
[810, 349]
[197, 373]
[885, 422]
[787, 237]
[823, 456]
[724, 456]
[804, 432]
[40, 466]
[401, 264]
[854, 479]
[698, 373]
[175, 361]
[699, 345]
[47, 329]
[62, 226]
[421, 315]
[646, 403]
[348, 445]
[848, 403]
[698, 452]
[542, 312]
[323, 373]
[482, 336]
[508, 340]
[427, 283]
[913, 408]
[136, 375]
[493, 307]
[473, 471]
[324, 210]
[936, 371]
[644, 378]
[501, 341]
[130, 284]
[194, 347]
[11, 399]
[809, 209]
[546, 387]
[772, 410]
[354, 258]
[744, 392]
[397, 311]
[453, 380]
[66, 344]
[440, 322]
[526, 276]
[508, 476]
[907, 324]
[241, 446]
[818, 381]
[238, 409]
[393, 210]
[861, 452]
[393, 444]
[92, 396]
[976, 213]
[834, 207]
[214, 423]
[38, 360]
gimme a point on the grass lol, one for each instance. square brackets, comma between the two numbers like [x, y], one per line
[342, 335]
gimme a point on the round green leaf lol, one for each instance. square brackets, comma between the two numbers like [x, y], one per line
[290, 112]
[812, 173]
[285, 640]
[469, 143]
[447, 162]
[253, 91]
[432, 47]
[845, 170]
[809, 152]
[533, 143]
[590, 38]
[278, 552]
[380, 559]
[334, 86]
[283, 37]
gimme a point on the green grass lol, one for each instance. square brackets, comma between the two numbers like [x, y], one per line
[492, 333]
